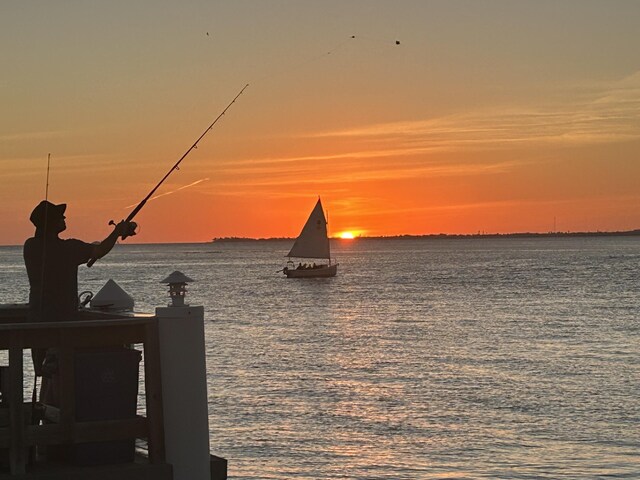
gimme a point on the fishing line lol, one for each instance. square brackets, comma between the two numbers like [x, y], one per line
[351, 39]
[304, 63]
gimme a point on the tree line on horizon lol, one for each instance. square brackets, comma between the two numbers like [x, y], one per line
[448, 235]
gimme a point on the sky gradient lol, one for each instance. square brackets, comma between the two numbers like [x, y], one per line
[488, 116]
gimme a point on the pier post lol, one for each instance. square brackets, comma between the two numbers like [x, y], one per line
[184, 391]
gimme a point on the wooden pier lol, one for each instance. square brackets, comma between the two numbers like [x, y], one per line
[20, 437]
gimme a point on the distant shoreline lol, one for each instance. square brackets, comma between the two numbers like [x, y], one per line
[432, 236]
[628, 233]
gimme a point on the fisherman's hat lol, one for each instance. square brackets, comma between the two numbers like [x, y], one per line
[47, 212]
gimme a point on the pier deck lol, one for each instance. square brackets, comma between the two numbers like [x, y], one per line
[19, 436]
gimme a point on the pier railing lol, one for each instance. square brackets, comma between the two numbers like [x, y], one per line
[18, 434]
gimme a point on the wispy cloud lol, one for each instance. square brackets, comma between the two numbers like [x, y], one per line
[308, 174]
[343, 169]
[586, 115]
[24, 136]
[609, 112]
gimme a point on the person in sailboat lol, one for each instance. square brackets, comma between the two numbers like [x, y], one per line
[52, 267]
[312, 243]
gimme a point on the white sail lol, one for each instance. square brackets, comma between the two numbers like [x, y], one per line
[313, 241]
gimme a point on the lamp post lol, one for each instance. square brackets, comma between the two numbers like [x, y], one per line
[177, 282]
[184, 383]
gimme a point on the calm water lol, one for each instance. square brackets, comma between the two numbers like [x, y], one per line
[475, 358]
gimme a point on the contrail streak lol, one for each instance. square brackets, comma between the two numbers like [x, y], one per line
[173, 191]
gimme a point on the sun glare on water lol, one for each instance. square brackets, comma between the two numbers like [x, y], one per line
[347, 235]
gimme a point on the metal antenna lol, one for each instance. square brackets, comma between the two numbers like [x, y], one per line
[34, 394]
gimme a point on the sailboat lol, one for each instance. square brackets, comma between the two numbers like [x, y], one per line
[312, 243]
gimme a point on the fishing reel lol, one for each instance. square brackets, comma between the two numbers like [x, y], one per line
[85, 297]
[131, 229]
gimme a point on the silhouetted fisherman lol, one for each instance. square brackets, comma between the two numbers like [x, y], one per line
[52, 266]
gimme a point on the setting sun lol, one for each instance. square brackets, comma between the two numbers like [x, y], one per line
[346, 235]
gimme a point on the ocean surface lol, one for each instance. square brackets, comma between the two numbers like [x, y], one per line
[504, 358]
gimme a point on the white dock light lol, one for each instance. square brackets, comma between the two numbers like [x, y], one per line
[177, 282]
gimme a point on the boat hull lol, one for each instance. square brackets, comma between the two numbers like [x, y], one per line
[322, 272]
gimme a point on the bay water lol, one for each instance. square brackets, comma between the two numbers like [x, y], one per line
[466, 358]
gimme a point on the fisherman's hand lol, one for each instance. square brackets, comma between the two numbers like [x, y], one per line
[126, 229]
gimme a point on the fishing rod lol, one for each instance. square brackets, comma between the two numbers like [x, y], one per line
[135, 211]
[46, 188]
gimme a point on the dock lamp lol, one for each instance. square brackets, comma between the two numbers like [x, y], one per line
[177, 282]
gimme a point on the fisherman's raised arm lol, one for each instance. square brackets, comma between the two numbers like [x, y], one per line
[122, 229]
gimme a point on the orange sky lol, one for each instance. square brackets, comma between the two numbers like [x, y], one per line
[490, 116]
